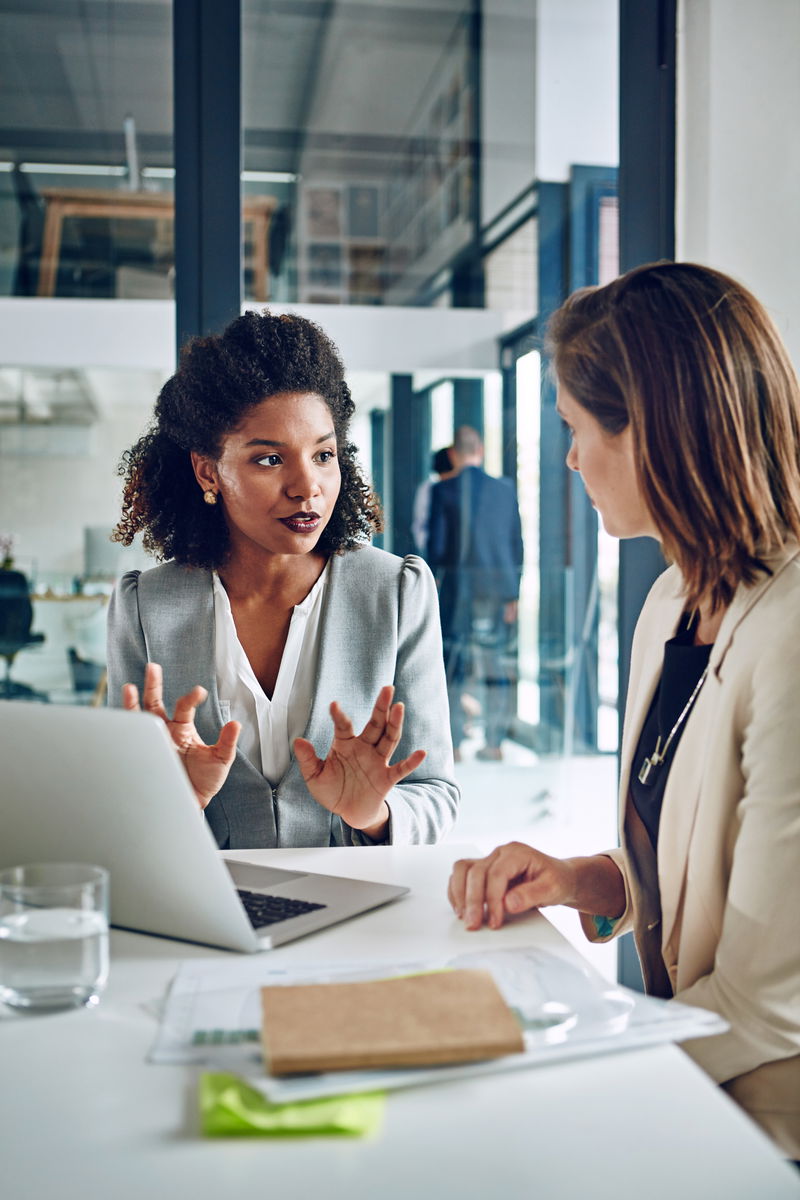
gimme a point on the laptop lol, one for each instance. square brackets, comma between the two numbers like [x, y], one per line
[105, 786]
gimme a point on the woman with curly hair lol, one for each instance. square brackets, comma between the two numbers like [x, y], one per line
[273, 609]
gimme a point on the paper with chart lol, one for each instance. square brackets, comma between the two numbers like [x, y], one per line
[211, 1017]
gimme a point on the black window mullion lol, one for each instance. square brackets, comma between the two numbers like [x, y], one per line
[647, 233]
[208, 156]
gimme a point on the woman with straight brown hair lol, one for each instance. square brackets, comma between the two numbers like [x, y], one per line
[684, 415]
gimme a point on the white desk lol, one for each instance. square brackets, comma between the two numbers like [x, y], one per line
[83, 1115]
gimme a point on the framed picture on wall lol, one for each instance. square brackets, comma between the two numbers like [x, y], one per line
[453, 99]
[362, 211]
[325, 264]
[366, 274]
[453, 199]
[324, 212]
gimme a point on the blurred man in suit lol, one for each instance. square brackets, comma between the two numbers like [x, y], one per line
[442, 468]
[475, 551]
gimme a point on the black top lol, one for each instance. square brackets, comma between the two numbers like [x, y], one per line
[684, 663]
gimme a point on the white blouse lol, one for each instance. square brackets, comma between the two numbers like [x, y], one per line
[268, 726]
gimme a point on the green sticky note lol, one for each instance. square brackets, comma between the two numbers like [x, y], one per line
[230, 1107]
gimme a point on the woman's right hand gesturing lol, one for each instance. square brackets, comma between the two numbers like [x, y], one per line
[206, 766]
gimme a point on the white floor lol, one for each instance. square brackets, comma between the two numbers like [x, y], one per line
[562, 806]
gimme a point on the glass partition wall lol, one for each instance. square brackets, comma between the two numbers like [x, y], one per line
[86, 153]
[427, 184]
[442, 177]
[86, 280]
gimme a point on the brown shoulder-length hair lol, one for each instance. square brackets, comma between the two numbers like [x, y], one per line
[692, 362]
[219, 379]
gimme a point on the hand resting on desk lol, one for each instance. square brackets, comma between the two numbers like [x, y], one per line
[516, 878]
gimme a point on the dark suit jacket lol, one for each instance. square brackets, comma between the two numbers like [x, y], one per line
[474, 542]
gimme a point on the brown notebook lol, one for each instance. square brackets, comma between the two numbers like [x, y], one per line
[412, 1021]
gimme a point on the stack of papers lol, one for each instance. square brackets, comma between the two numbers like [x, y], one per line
[212, 1018]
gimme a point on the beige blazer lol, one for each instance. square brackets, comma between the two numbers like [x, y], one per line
[715, 919]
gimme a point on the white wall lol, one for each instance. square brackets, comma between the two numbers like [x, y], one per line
[577, 89]
[402, 340]
[46, 500]
[141, 334]
[508, 102]
[738, 164]
[87, 333]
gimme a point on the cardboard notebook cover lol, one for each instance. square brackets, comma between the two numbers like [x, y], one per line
[411, 1021]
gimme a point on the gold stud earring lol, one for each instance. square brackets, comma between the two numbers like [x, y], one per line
[210, 496]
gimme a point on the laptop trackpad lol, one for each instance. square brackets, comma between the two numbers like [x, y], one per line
[249, 875]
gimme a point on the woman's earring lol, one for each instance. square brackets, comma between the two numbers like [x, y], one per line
[210, 496]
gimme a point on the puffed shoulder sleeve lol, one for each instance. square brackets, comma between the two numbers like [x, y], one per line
[423, 806]
[126, 651]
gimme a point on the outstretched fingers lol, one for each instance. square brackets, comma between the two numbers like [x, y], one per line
[382, 731]
[186, 706]
[399, 770]
[375, 727]
[342, 725]
[153, 691]
[225, 748]
[308, 762]
[384, 728]
[393, 731]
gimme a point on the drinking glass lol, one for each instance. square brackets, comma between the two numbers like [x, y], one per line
[53, 935]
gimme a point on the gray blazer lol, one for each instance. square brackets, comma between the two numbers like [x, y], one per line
[380, 624]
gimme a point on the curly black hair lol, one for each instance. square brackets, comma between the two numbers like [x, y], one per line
[219, 378]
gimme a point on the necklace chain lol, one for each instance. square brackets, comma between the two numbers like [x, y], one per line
[656, 759]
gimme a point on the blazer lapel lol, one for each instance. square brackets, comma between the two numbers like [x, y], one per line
[319, 727]
[198, 661]
[679, 809]
[351, 666]
[685, 782]
[662, 622]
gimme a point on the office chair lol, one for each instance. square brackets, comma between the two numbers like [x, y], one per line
[16, 617]
[88, 677]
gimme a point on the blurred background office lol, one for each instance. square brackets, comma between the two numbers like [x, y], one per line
[425, 180]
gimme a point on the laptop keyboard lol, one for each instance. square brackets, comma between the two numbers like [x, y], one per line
[269, 910]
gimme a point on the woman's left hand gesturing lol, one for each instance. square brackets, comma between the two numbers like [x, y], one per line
[355, 778]
[206, 766]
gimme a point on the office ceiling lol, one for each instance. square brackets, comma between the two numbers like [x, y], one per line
[72, 70]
